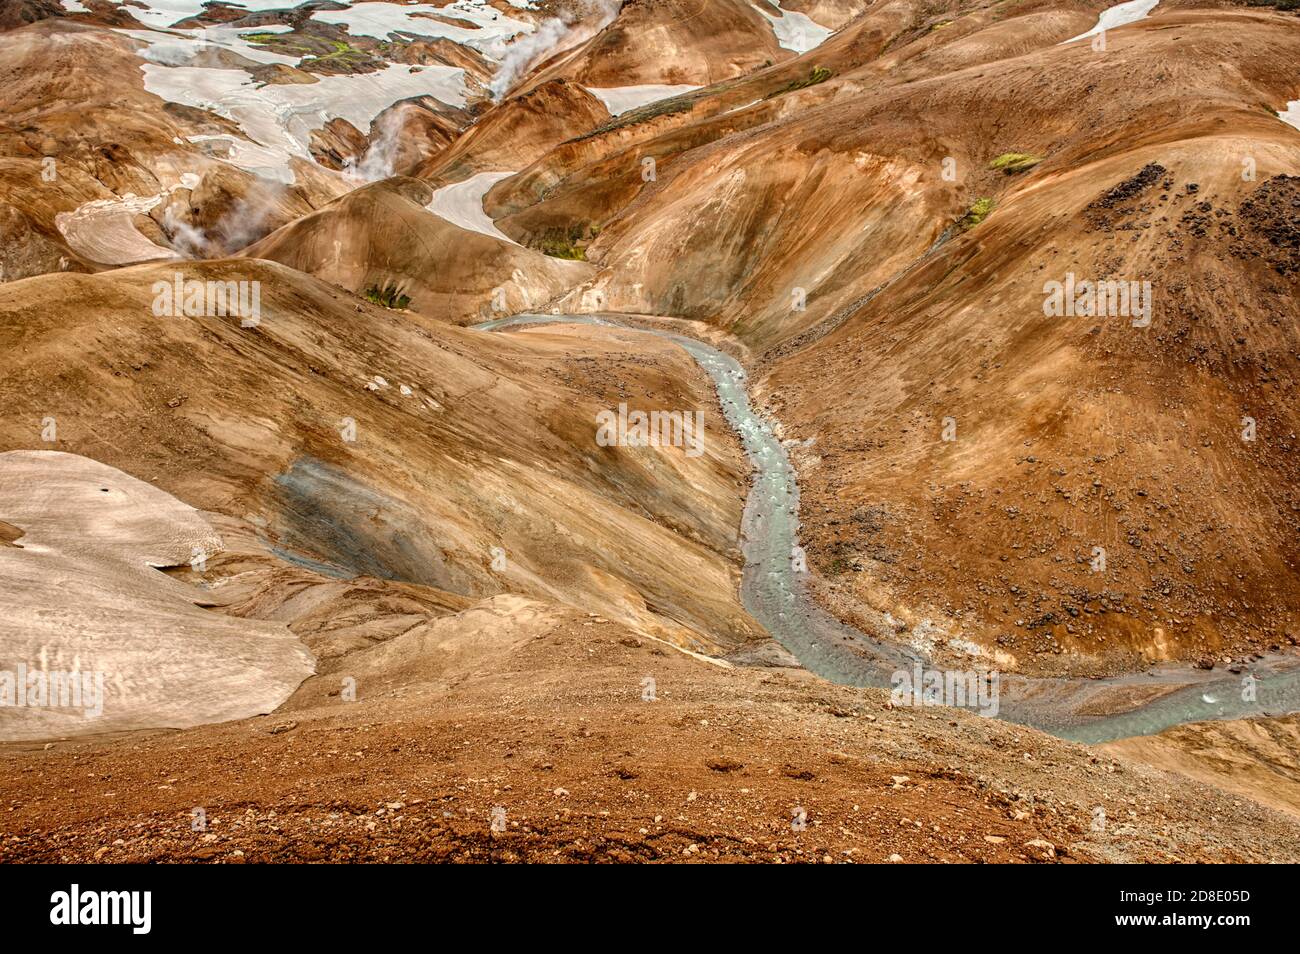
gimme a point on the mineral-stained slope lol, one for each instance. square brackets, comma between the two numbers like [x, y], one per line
[360, 439]
[1015, 285]
[382, 238]
[885, 237]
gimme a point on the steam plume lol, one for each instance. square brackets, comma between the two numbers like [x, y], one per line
[553, 35]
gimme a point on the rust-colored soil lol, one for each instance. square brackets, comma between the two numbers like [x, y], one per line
[555, 732]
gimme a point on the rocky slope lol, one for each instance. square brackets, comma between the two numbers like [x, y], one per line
[884, 234]
[537, 721]
[472, 631]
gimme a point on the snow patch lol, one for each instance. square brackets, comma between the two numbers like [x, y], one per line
[103, 230]
[622, 99]
[161, 13]
[380, 19]
[81, 595]
[280, 118]
[794, 31]
[462, 204]
[178, 47]
[1291, 115]
[1118, 16]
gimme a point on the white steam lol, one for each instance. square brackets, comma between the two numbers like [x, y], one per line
[248, 219]
[553, 35]
[381, 154]
[184, 238]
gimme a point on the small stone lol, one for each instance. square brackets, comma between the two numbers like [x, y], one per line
[1046, 847]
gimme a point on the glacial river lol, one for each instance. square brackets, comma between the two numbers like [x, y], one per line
[774, 593]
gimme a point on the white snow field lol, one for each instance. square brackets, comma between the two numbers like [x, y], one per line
[461, 204]
[279, 119]
[794, 31]
[1118, 16]
[83, 596]
[622, 99]
[379, 19]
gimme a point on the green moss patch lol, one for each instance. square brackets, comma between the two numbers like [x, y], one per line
[818, 74]
[1013, 162]
[977, 213]
[389, 296]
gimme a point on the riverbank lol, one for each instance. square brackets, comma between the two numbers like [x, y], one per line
[776, 592]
